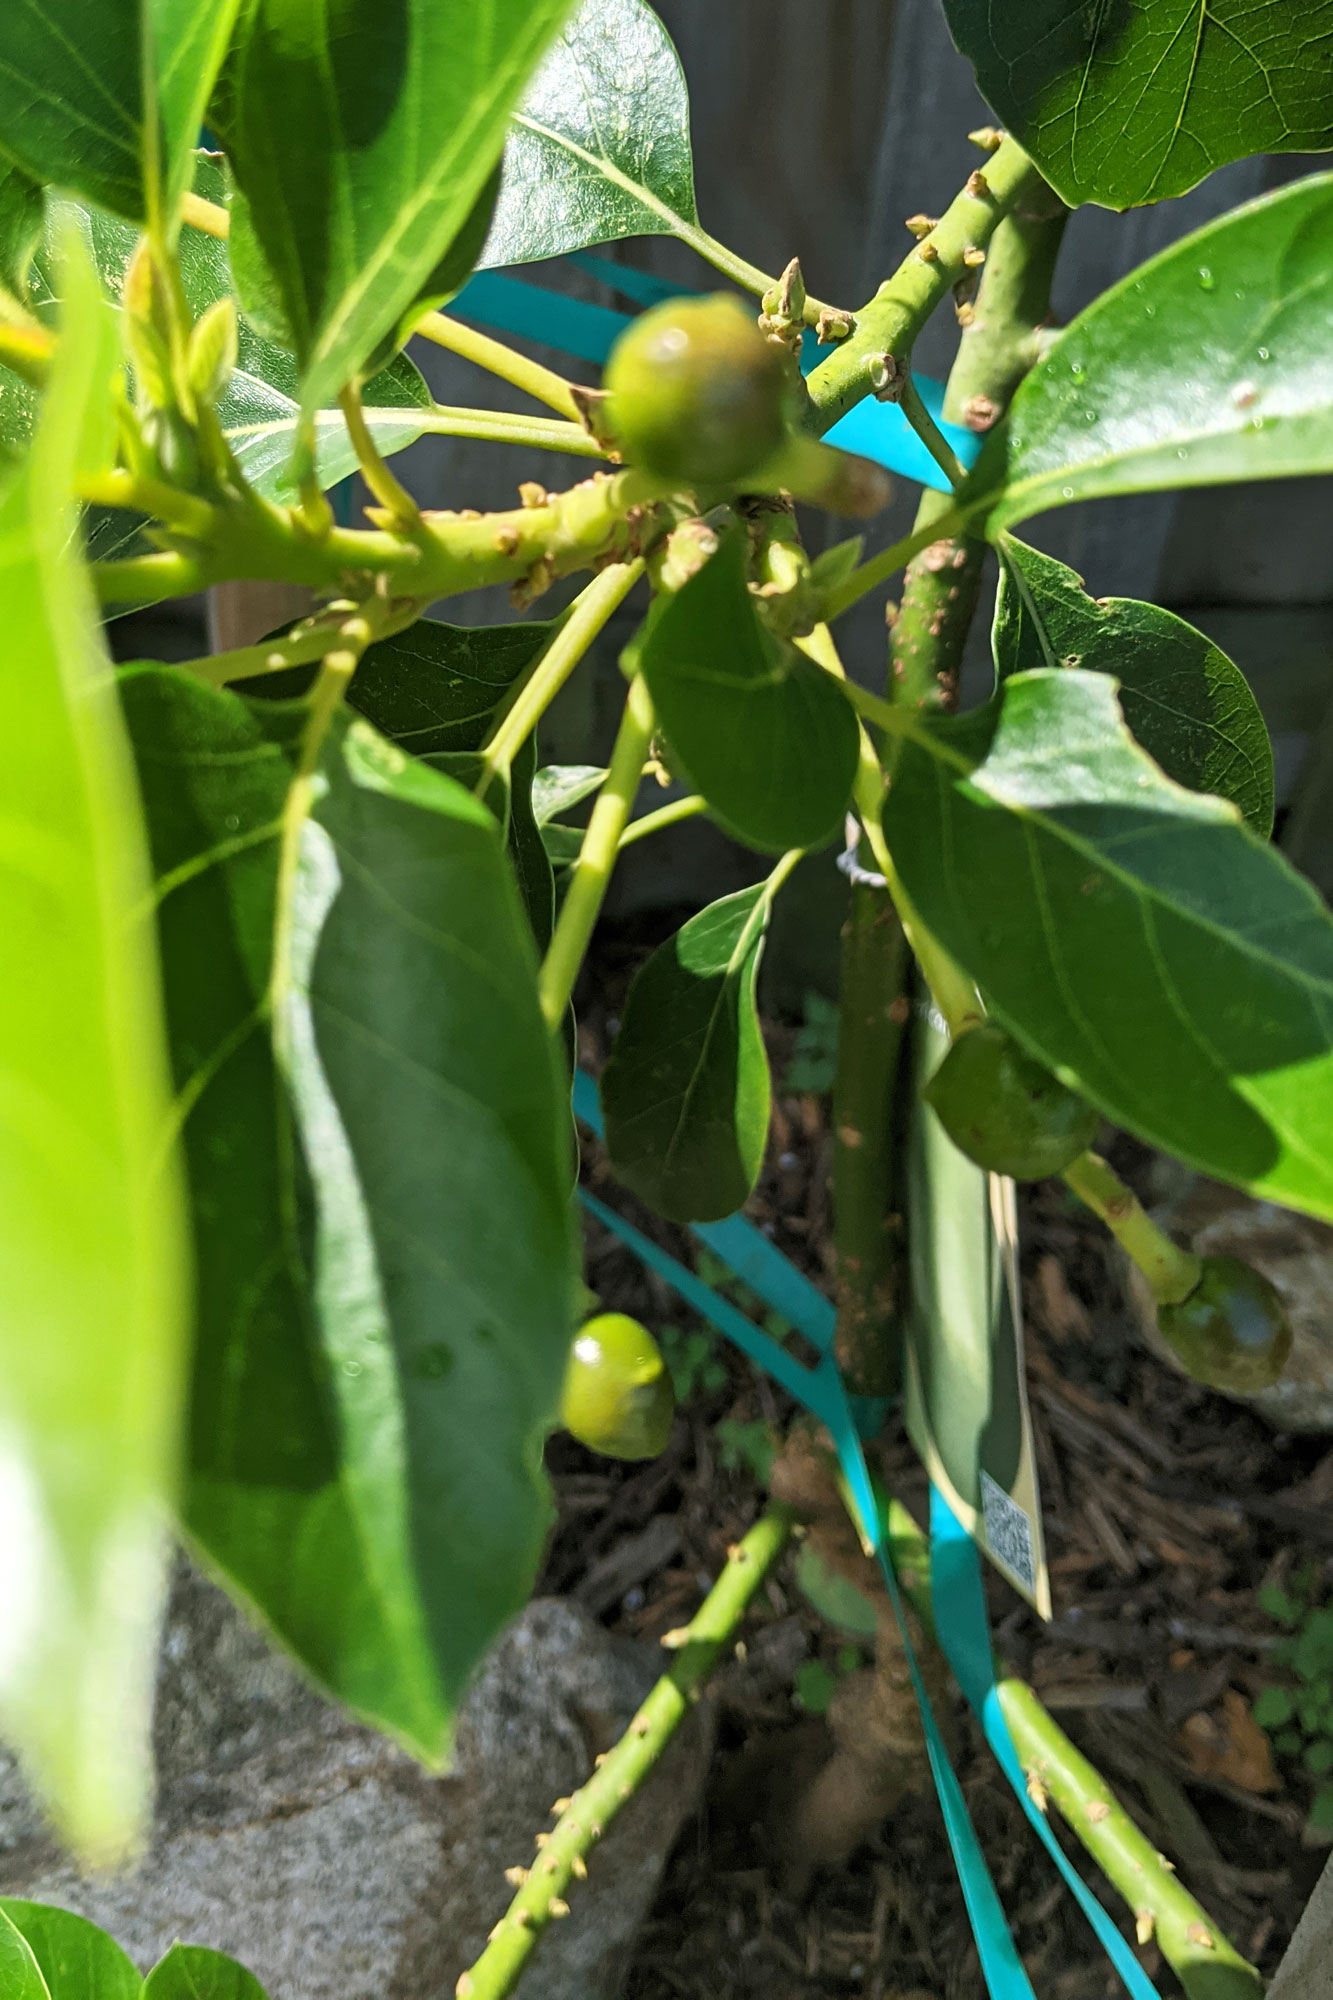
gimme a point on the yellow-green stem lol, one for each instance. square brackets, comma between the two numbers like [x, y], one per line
[1172, 1273]
[597, 856]
[567, 645]
[668, 815]
[505, 363]
[1208, 1966]
[386, 487]
[562, 1855]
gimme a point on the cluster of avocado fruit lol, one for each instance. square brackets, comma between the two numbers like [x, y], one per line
[1007, 1112]
[696, 393]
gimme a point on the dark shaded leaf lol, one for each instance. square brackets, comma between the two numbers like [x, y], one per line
[22, 210]
[600, 147]
[1129, 103]
[764, 734]
[686, 1091]
[377, 1142]
[1188, 705]
[1138, 938]
[1211, 362]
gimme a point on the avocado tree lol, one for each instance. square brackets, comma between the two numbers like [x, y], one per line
[289, 1251]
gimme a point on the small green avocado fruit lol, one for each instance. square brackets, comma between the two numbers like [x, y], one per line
[1006, 1111]
[617, 1397]
[1232, 1332]
[697, 393]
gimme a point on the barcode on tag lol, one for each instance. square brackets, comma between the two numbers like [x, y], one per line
[1008, 1532]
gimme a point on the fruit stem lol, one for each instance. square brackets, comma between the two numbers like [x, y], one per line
[668, 815]
[1171, 1273]
[1208, 1966]
[543, 384]
[562, 1855]
[387, 489]
[597, 856]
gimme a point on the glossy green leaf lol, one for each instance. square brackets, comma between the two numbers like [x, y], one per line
[192, 1972]
[1212, 362]
[105, 97]
[600, 148]
[1188, 705]
[764, 734]
[1139, 939]
[440, 687]
[92, 1332]
[77, 1961]
[361, 139]
[558, 788]
[686, 1092]
[377, 1140]
[20, 1976]
[1131, 103]
[258, 409]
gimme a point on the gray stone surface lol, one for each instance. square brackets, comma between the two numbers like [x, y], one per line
[1306, 1971]
[331, 1864]
[1294, 1252]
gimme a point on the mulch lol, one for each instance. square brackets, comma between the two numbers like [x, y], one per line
[1167, 1509]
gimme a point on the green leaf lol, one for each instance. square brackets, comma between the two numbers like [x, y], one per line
[20, 1975]
[558, 788]
[76, 1959]
[814, 1686]
[600, 148]
[837, 1600]
[192, 1972]
[1318, 1759]
[22, 211]
[1314, 1648]
[1134, 103]
[1278, 1604]
[361, 141]
[1209, 363]
[258, 410]
[686, 1091]
[377, 1139]
[105, 97]
[1321, 1812]
[1188, 705]
[1138, 938]
[91, 1254]
[766, 736]
[1274, 1708]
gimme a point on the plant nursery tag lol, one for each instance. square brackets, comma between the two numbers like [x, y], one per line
[965, 1397]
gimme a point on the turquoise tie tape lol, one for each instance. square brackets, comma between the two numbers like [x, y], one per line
[956, 1586]
[515, 305]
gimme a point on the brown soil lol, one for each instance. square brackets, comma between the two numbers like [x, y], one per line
[1166, 1510]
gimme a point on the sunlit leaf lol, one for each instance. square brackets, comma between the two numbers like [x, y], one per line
[77, 1961]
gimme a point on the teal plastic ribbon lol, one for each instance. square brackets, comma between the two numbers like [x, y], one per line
[958, 1597]
[873, 430]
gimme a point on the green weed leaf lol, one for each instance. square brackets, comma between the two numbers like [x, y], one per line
[377, 1141]
[600, 147]
[1137, 938]
[1212, 362]
[77, 1961]
[767, 736]
[92, 1334]
[191, 1972]
[686, 1092]
[361, 151]
[1188, 705]
[20, 1975]
[1274, 1708]
[1122, 105]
